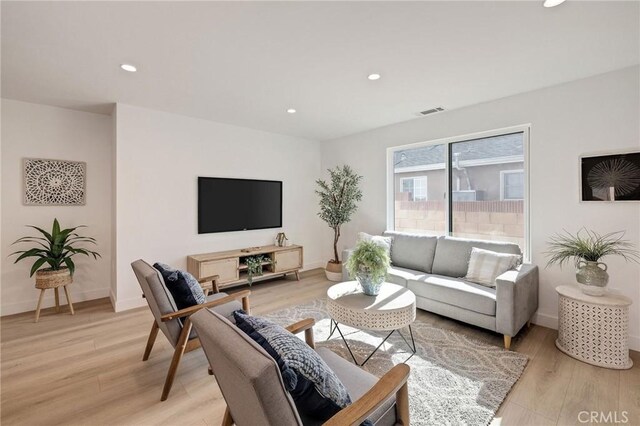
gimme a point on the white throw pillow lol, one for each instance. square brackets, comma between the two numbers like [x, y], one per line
[384, 242]
[486, 265]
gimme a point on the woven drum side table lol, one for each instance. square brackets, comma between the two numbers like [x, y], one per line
[594, 329]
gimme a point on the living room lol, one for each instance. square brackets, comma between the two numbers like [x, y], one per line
[145, 98]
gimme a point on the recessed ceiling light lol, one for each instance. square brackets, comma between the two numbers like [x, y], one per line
[291, 111]
[552, 3]
[128, 67]
[374, 76]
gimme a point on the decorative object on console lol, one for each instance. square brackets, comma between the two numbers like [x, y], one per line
[586, 248]
[613, 177]
[54, 182]
[255, 264]
[338, 201]
[56, 250]
[368, 265]
[281, 239]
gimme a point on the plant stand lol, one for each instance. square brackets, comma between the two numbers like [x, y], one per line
[43, 285]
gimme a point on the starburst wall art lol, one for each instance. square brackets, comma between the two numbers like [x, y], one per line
[54, 182]
[613, 177]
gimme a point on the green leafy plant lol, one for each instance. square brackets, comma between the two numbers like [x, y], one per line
[55, 248]
[338, 200]
[254, 266]
[369, 258]
[589, 246]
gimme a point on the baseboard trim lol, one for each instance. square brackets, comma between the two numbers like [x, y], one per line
[125, 305]
[49, 301]
[314, 265]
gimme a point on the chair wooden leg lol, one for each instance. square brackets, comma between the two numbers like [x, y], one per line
[177, 356]
[227, 420]
[39, 304]
[151, 340]
[507, 342]
[57, 294]
[402, 405]
[245, 305]
[66, 291]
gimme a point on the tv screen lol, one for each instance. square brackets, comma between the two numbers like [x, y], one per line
[238, 204]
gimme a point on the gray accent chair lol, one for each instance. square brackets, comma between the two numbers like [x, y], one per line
[170, 320]
[434, 269]
[252, 386]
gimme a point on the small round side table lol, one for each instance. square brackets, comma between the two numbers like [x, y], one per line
[594, 329]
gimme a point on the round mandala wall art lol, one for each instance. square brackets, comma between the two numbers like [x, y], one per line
[54, 182]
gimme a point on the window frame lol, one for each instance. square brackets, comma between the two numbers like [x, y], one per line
[503, 174]
[525, 129]
[413, 178]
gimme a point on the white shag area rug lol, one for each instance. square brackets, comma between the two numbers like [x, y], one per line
[455, 380]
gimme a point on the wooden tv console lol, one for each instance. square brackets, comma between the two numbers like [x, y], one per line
[231, 270]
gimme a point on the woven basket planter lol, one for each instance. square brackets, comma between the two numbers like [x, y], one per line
[46, 278]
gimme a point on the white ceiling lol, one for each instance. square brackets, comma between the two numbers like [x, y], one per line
[245, 63]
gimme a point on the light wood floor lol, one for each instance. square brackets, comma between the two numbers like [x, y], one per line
[87, 369]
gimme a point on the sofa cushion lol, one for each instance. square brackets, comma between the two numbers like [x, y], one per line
[401, 276]
[412, 251]
[456, 292]
[486, 265]
[185, 289]
[452, 254]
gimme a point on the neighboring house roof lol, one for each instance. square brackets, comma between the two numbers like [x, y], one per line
[477, 149]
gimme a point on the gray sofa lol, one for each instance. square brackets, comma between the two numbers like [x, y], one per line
[433, 267]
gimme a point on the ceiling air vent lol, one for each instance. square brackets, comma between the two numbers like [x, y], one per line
[431, 111]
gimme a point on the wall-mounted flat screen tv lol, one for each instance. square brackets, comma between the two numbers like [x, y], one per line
[238, 204]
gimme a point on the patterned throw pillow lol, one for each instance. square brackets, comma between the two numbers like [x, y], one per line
[314, 387]
[183, 286]
[486, 265]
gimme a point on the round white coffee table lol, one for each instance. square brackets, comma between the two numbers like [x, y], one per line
[391, 310]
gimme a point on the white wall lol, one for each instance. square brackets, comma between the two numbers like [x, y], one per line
[597, 114]
[158, 159]
[31, 130]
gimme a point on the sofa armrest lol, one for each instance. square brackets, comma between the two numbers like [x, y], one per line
[516, 298]
[346, 254]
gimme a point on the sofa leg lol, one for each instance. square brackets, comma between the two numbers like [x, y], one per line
[507, 342]
[529, 324]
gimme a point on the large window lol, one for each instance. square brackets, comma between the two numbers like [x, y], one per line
[477, 187]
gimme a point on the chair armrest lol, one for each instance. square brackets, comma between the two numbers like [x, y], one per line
[516, 298]
[214, 282]
[305, 325]
[346, 254]
[240, 295]
[394, 382]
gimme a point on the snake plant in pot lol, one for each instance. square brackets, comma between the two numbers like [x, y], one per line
[368, 264]
[586, 249]
[54, 251]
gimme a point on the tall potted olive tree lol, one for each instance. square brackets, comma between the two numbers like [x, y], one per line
[338, 201]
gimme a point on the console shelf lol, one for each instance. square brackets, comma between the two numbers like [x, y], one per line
[230, 269]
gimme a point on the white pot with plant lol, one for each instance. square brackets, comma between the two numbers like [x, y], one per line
[338, 201]
[368, 264]
[586, 249]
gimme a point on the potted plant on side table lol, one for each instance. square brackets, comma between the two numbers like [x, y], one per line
[368, 264]
[338, 201]
[54, 249]
[586, 248]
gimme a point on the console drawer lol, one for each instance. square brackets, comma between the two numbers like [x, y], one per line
[226, 269]
[288, 260]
